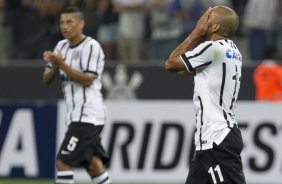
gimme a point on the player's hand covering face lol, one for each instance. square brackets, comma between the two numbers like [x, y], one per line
[203, 24]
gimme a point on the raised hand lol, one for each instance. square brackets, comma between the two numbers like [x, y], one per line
[203, 24]
[55, 59]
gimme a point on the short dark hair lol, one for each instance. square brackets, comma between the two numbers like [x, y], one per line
[73, 9]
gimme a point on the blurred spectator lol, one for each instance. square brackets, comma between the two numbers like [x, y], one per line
[5, 36]
[189, 12]
[89, 9]
[268, 78]
[261, 23]
[31, 22]
[108, 28]
[239, 7]
[165, 30]
[131, 29]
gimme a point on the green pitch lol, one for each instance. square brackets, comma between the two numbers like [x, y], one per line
[35, 181]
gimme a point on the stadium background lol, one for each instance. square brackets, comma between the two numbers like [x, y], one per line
[149, 129]
[150, 111]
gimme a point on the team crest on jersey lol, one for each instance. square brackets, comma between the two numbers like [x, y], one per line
[121, 86]
[232, 54]
[76, 54]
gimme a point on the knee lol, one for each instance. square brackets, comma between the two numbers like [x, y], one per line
[62, 166]
[96, 166]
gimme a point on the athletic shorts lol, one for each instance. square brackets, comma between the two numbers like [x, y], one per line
[222, 164]
[82, 141]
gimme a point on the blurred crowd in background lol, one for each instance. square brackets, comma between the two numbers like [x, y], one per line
[134, 31]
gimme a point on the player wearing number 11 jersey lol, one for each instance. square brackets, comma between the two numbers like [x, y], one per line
[215, 62]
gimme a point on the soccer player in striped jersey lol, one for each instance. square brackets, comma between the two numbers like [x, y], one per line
[79, 61]
[214, 60]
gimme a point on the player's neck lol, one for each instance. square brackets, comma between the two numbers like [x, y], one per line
[215, 37]
[76, 40]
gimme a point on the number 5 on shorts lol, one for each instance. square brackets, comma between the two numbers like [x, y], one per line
[72, 143]
[212, 173]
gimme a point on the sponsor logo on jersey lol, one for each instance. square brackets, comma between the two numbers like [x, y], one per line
[232, 54]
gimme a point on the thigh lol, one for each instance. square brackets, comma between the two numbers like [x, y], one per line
[197, 173]
[228, 157]
[79, 139]
[220, 165]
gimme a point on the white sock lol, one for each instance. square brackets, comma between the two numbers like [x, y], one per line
[102, 179]
[64, 177]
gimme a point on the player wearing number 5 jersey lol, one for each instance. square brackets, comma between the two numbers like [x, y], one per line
[79, 61]
[215, 62]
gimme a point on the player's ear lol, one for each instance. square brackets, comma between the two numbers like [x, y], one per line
[82, 24]
[215, 28]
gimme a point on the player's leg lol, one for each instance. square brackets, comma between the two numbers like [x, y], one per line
[222, 164]
[97, 171]
[96, 157]
[228, 156]
[197, 174]
[64, 173]
[70, 152]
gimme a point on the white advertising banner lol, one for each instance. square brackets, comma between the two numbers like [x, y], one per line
[151, 140]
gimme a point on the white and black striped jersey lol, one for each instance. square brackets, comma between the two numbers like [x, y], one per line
[217, 67]
[84, 104]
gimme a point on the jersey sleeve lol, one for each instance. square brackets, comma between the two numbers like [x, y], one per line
[91, 59]
[198, 57]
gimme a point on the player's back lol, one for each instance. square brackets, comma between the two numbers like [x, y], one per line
[216, 91]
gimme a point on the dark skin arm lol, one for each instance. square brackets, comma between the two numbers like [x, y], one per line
[50, 74]
[198, 35]
[58, 62]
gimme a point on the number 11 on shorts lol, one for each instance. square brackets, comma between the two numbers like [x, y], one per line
[212, 173]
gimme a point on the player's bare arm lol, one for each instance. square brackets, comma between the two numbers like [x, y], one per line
[198, 35]
[79, 77]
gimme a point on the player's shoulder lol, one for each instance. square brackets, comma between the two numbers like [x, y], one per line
[61, 43]
[93, 42]
[204, 47]
[206, 43]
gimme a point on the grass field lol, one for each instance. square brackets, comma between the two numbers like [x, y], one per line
[35, 181]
